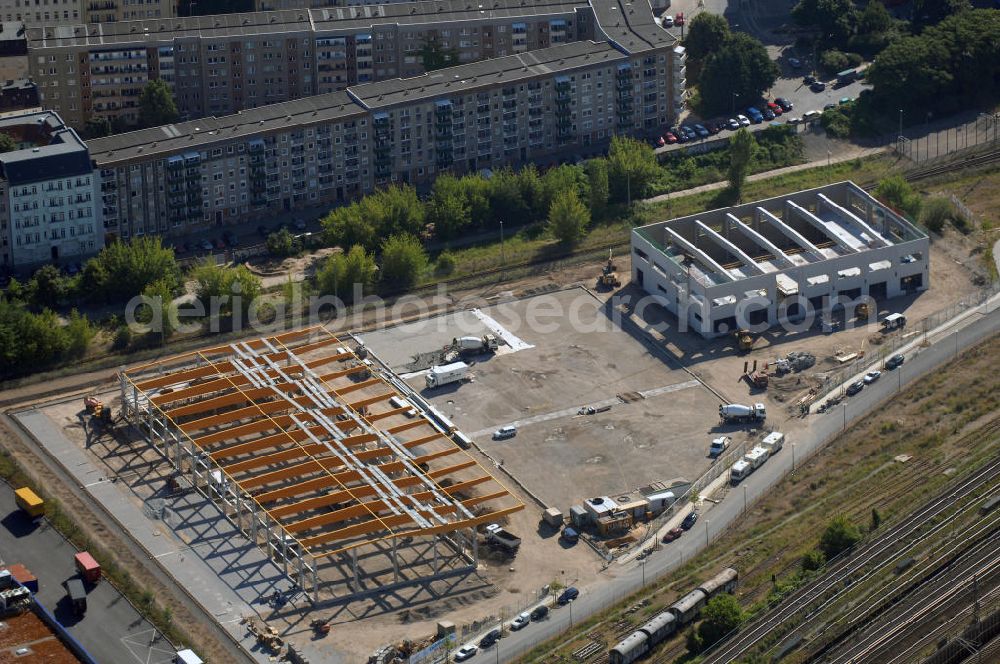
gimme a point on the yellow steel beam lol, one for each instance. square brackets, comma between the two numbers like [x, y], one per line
[389, 413]
[293, 436]
[407, 425]
[276, 457]
[353, 387]
[361, 403]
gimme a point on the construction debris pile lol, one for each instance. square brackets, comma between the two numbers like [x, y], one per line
[796, 361]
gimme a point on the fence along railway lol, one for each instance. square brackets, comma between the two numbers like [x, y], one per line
[296, 439]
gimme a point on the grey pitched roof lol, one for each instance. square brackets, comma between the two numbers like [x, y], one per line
[251, 123]
[485, 73]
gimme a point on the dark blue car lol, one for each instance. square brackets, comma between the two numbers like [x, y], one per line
[701, 131]
[568, 596]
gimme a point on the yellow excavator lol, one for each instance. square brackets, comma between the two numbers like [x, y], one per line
[744, 340]
[608, 278]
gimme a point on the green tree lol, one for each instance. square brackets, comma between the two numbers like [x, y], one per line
[281, 243]
[348, 226]
[223, 285]
[813, 560]
[632, 168]
[395, 209]
[448, 209]
[897, 193]
[568, 217]
[436, 56]
[403, 262]
[342, 273]
[79, 332]
[720, 616]
[48, 286]
[507, 200]
[597, 181]
[30, 342]
[839, 536]
[559, 180]
[122, 270]
[875, 19]
[741, 147]
[834, 18]
[16, 291]
[936, 213]
[7, 142]
[706, 34]
[160, 311]
[446, 263]
[736, 74]
[156, 105]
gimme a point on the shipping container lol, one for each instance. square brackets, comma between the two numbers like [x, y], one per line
[77, 596]
[88, 568]
[29, 501]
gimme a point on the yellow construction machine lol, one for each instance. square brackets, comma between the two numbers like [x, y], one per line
[744, 340]
[609, 279]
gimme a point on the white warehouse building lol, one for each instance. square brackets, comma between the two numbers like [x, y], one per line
[779, 260]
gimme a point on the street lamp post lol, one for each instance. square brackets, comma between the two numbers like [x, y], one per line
[900, 122]
[706, 532]
[744, 498]
[793, 457]
[503, 258]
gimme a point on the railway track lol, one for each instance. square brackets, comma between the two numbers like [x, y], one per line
[949, 589]
[802, 604]
[884, 602]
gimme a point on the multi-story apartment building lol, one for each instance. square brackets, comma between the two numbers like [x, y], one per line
[563, 100]
[223, 64]
[48, 194]
[52, 13]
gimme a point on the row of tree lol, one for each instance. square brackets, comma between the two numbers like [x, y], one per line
[31, 341]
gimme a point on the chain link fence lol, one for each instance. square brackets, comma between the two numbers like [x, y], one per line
[983, 131]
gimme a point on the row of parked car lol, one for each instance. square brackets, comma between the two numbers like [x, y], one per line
[520, 622]
[692, 132]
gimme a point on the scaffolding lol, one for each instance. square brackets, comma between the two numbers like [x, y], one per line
[313, 450]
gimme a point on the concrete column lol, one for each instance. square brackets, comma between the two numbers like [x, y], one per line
[354, 569]
[315, 571]
[475, 547]
[435, 565]
[253, 523]
[284, 551]
[395, 562]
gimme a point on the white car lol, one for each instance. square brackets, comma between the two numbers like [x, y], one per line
[871, 377]
[503, 433]
[668, 21]
[743, 120]
[465, 652]
[521, 621]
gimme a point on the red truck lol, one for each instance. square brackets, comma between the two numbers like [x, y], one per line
[88, 568]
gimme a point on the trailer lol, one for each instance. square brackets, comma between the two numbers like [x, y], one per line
[773, 442]
[740, 471]
[77, 596]
[89, 569]
[446, 374]
[29, 502]
[893, 322]
[739, 413]
[757, 457]
[502, 539]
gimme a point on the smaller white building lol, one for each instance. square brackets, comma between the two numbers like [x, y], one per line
[49, 194]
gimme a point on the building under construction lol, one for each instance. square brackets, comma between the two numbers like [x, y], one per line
[314, 449]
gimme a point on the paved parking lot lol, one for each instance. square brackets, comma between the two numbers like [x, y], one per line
[111, 630]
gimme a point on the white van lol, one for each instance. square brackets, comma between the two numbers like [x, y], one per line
[504, 433]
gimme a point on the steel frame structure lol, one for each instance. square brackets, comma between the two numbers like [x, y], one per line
[311, 449]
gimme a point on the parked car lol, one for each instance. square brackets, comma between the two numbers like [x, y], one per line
[300, 224]
[679, 19]
[491, 637]
[827, 107]
[218, 243]
[768, 114]
[701, 130]
[855, 387]
[795, 63]
[521, 621]
[503, 433]
[660, 142]
[667, 21]
[689, 521]
[718, 446]
[681, 136]
[714, 127]
[784, 104]
[871, 377]
[846, 100]
[818, 86]
[206, 245]
[755, 116]
[775, 107]
[539, 612]
[894, 361]
[670, 138]
[465, 652]
[743, 120]
[689, 132]
[672, 534]
[568, 596]
[795, 120]
[733, 124]
[810, 115]
[809, 80]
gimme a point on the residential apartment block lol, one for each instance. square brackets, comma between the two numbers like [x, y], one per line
[49, 207]
[218, 65]
[51, 13]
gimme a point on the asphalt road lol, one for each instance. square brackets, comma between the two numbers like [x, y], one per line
[978, 326]
[111, 630]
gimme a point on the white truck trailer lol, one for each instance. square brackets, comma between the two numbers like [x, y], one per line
[740, 471]
[773, 442]
[757, 457]
[734, 412]
[446, 374]
[487, 342]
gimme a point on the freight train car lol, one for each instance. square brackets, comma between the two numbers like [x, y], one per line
[667, 622]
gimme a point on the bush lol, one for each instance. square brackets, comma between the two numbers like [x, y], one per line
[121, 270]
[836, 123]
[446, 263]
[897, 193]
[403, 262]
[343, 275]
[813, 560]
[936, 213]
[281, 244]
[833, 61]
[122, 339]
[839, 536]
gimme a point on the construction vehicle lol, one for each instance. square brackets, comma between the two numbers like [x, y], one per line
[735, 412]
[608, 278]
[266, 635]
[320, 627]
[862, 310]
[757, 379]
[744, 340]
[487, 342]
[502, 539]
[97, 409]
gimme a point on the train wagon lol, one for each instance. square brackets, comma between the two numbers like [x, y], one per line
[629, 650]
[723, 582]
